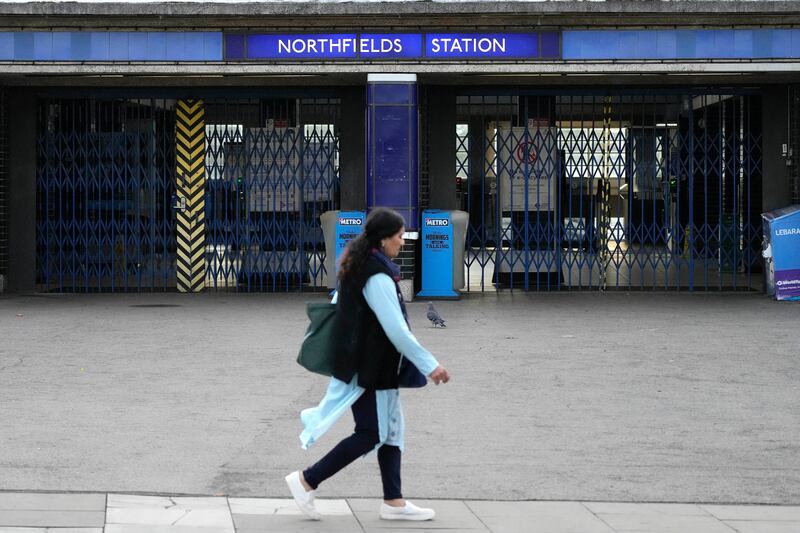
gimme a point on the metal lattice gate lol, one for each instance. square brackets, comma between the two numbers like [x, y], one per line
[273, 169]
[618, 190]
[113, 196]
[104, 183]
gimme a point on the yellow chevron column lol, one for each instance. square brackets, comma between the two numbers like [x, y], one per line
[190, 184]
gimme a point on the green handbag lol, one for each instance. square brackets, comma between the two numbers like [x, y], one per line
[318, 350]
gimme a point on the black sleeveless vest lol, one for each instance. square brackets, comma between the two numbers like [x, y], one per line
[363, 347]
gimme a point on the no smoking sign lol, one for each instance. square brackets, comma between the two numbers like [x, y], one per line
[525, 152]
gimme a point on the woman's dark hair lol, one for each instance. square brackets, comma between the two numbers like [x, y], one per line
[382, 222]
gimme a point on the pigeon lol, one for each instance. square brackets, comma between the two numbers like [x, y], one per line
[434, 317]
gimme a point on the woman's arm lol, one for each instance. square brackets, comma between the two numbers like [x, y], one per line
[381, 296]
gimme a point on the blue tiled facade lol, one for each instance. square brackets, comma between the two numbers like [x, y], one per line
[110, 46]
[681, 44]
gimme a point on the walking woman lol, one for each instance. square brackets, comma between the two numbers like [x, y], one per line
[377, 355]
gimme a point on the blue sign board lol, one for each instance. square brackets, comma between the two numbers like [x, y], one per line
[349, 225]
[325, 46]
[437, 255]
[782, 239]
[569, 45]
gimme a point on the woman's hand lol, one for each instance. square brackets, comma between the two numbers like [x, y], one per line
[440, 375]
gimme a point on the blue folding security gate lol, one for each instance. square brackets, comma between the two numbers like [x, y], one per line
[269, 180]
[106, 194]
[105, 173]
[623, 190]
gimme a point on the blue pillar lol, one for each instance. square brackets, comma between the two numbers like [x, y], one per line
[392, 173]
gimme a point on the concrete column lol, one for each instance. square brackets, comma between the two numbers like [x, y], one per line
[442, 147]
[776, 182]
[22, 191]
[352, 167]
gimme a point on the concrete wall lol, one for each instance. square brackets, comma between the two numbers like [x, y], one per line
[442, 145]
[352, 166]
[22, 191]
[777, 190]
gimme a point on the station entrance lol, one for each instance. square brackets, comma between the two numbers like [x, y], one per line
[565, 188]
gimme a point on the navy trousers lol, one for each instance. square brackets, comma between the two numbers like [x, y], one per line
[363, 440]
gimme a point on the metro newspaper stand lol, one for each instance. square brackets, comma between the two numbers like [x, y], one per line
[438, 249]
[339, 228]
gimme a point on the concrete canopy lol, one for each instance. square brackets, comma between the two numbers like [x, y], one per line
[413, 12]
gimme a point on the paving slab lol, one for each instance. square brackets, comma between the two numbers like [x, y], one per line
[754, 512]
[51, 530]
[658, 518]
[419, 529]
[58, 518]
[453, 515]
[655, 509]
[269, 514]
[21, 501]
[171, 517]
[139, 528]
[764, 526]
[537, 517]
[273, 506]
[132, 501]
[298, 524]
[185, 512]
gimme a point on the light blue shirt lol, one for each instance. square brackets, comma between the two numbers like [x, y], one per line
[381, 296]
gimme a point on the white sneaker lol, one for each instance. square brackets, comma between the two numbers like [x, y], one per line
[302, 497]
[409, 512]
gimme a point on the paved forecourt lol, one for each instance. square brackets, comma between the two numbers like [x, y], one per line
[566, 397]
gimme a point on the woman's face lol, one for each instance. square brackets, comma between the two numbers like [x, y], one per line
[391, 245]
